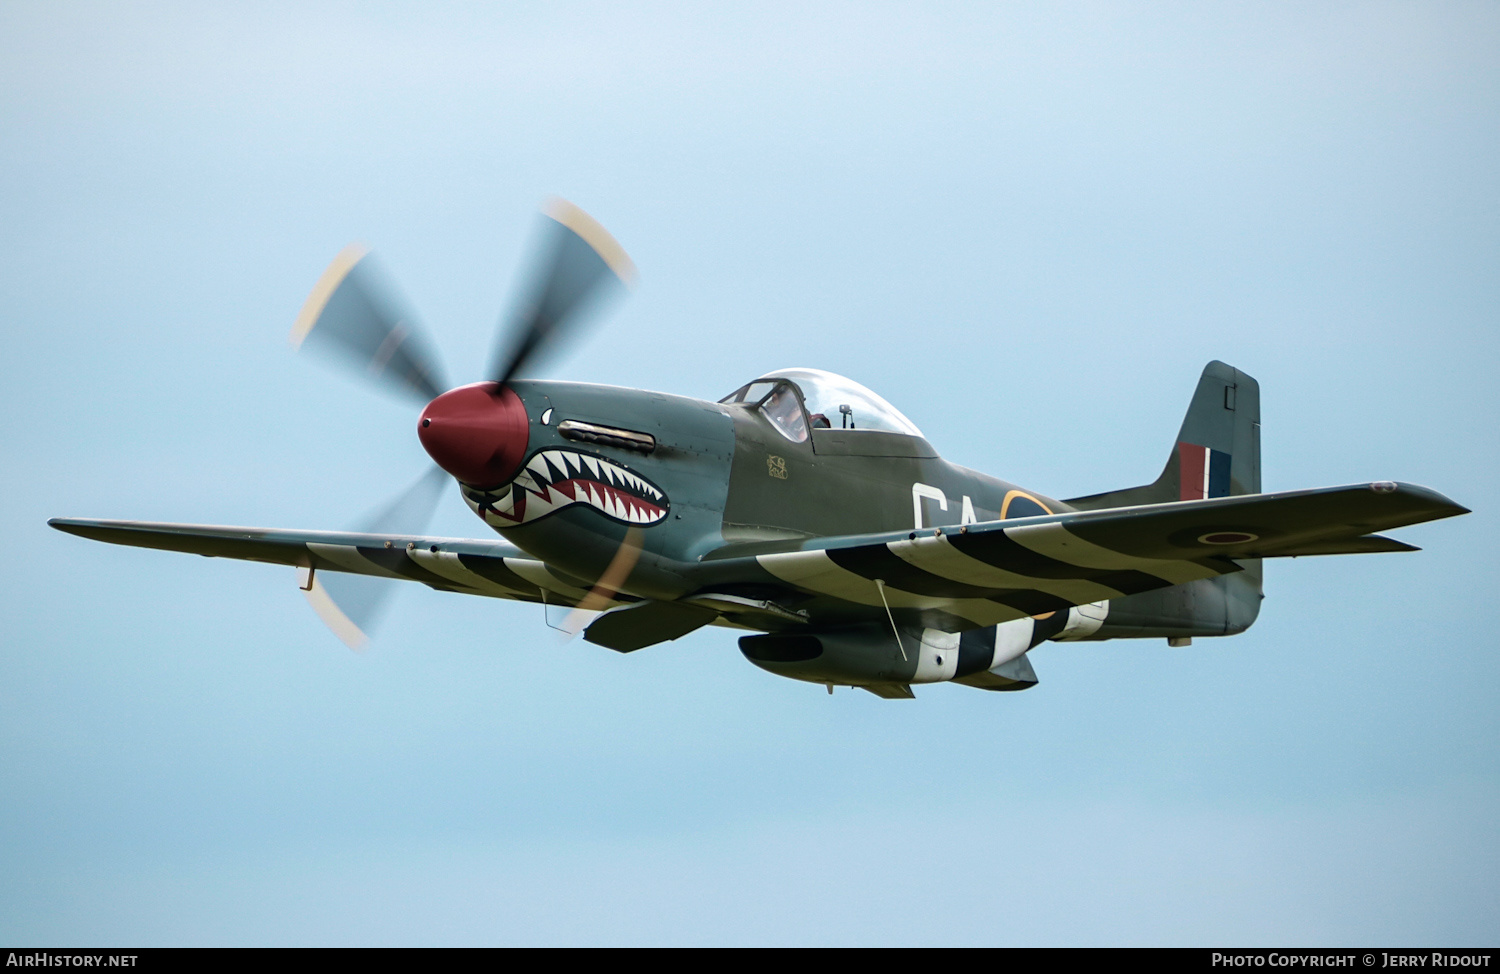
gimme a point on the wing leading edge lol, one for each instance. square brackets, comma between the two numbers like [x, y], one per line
[491, 568]
[975, 575]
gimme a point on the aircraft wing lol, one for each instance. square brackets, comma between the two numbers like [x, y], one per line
[983, 573]
[473, 567]
[996, 571]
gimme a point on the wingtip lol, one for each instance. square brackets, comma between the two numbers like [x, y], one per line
[1439, 501]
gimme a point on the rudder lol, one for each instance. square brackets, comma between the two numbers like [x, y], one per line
[1216, 454]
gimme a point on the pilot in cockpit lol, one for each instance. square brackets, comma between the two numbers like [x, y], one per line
[783, 409]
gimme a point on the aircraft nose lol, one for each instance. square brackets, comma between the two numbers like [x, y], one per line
[478, 433]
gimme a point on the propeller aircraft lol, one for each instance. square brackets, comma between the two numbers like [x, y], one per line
[802, 508]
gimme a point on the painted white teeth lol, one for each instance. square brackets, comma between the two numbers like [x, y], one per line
[554, 479]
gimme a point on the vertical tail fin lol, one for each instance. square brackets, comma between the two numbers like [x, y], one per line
[1218, 447]
[1217, 454]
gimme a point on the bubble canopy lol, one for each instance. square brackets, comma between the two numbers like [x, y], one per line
[831, 400]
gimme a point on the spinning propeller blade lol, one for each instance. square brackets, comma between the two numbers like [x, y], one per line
[349, 604]
[579, 257]
[608, 585]
[354, 314]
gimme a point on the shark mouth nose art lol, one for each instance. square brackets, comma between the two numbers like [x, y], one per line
[554, 479]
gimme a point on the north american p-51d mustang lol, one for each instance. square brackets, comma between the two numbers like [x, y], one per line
[802, 508]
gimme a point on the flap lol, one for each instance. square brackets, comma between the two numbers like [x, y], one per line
[1369, 544]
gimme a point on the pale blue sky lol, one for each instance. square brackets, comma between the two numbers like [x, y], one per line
[1027, 226]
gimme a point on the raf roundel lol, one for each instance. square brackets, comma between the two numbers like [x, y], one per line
[1228, 537]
